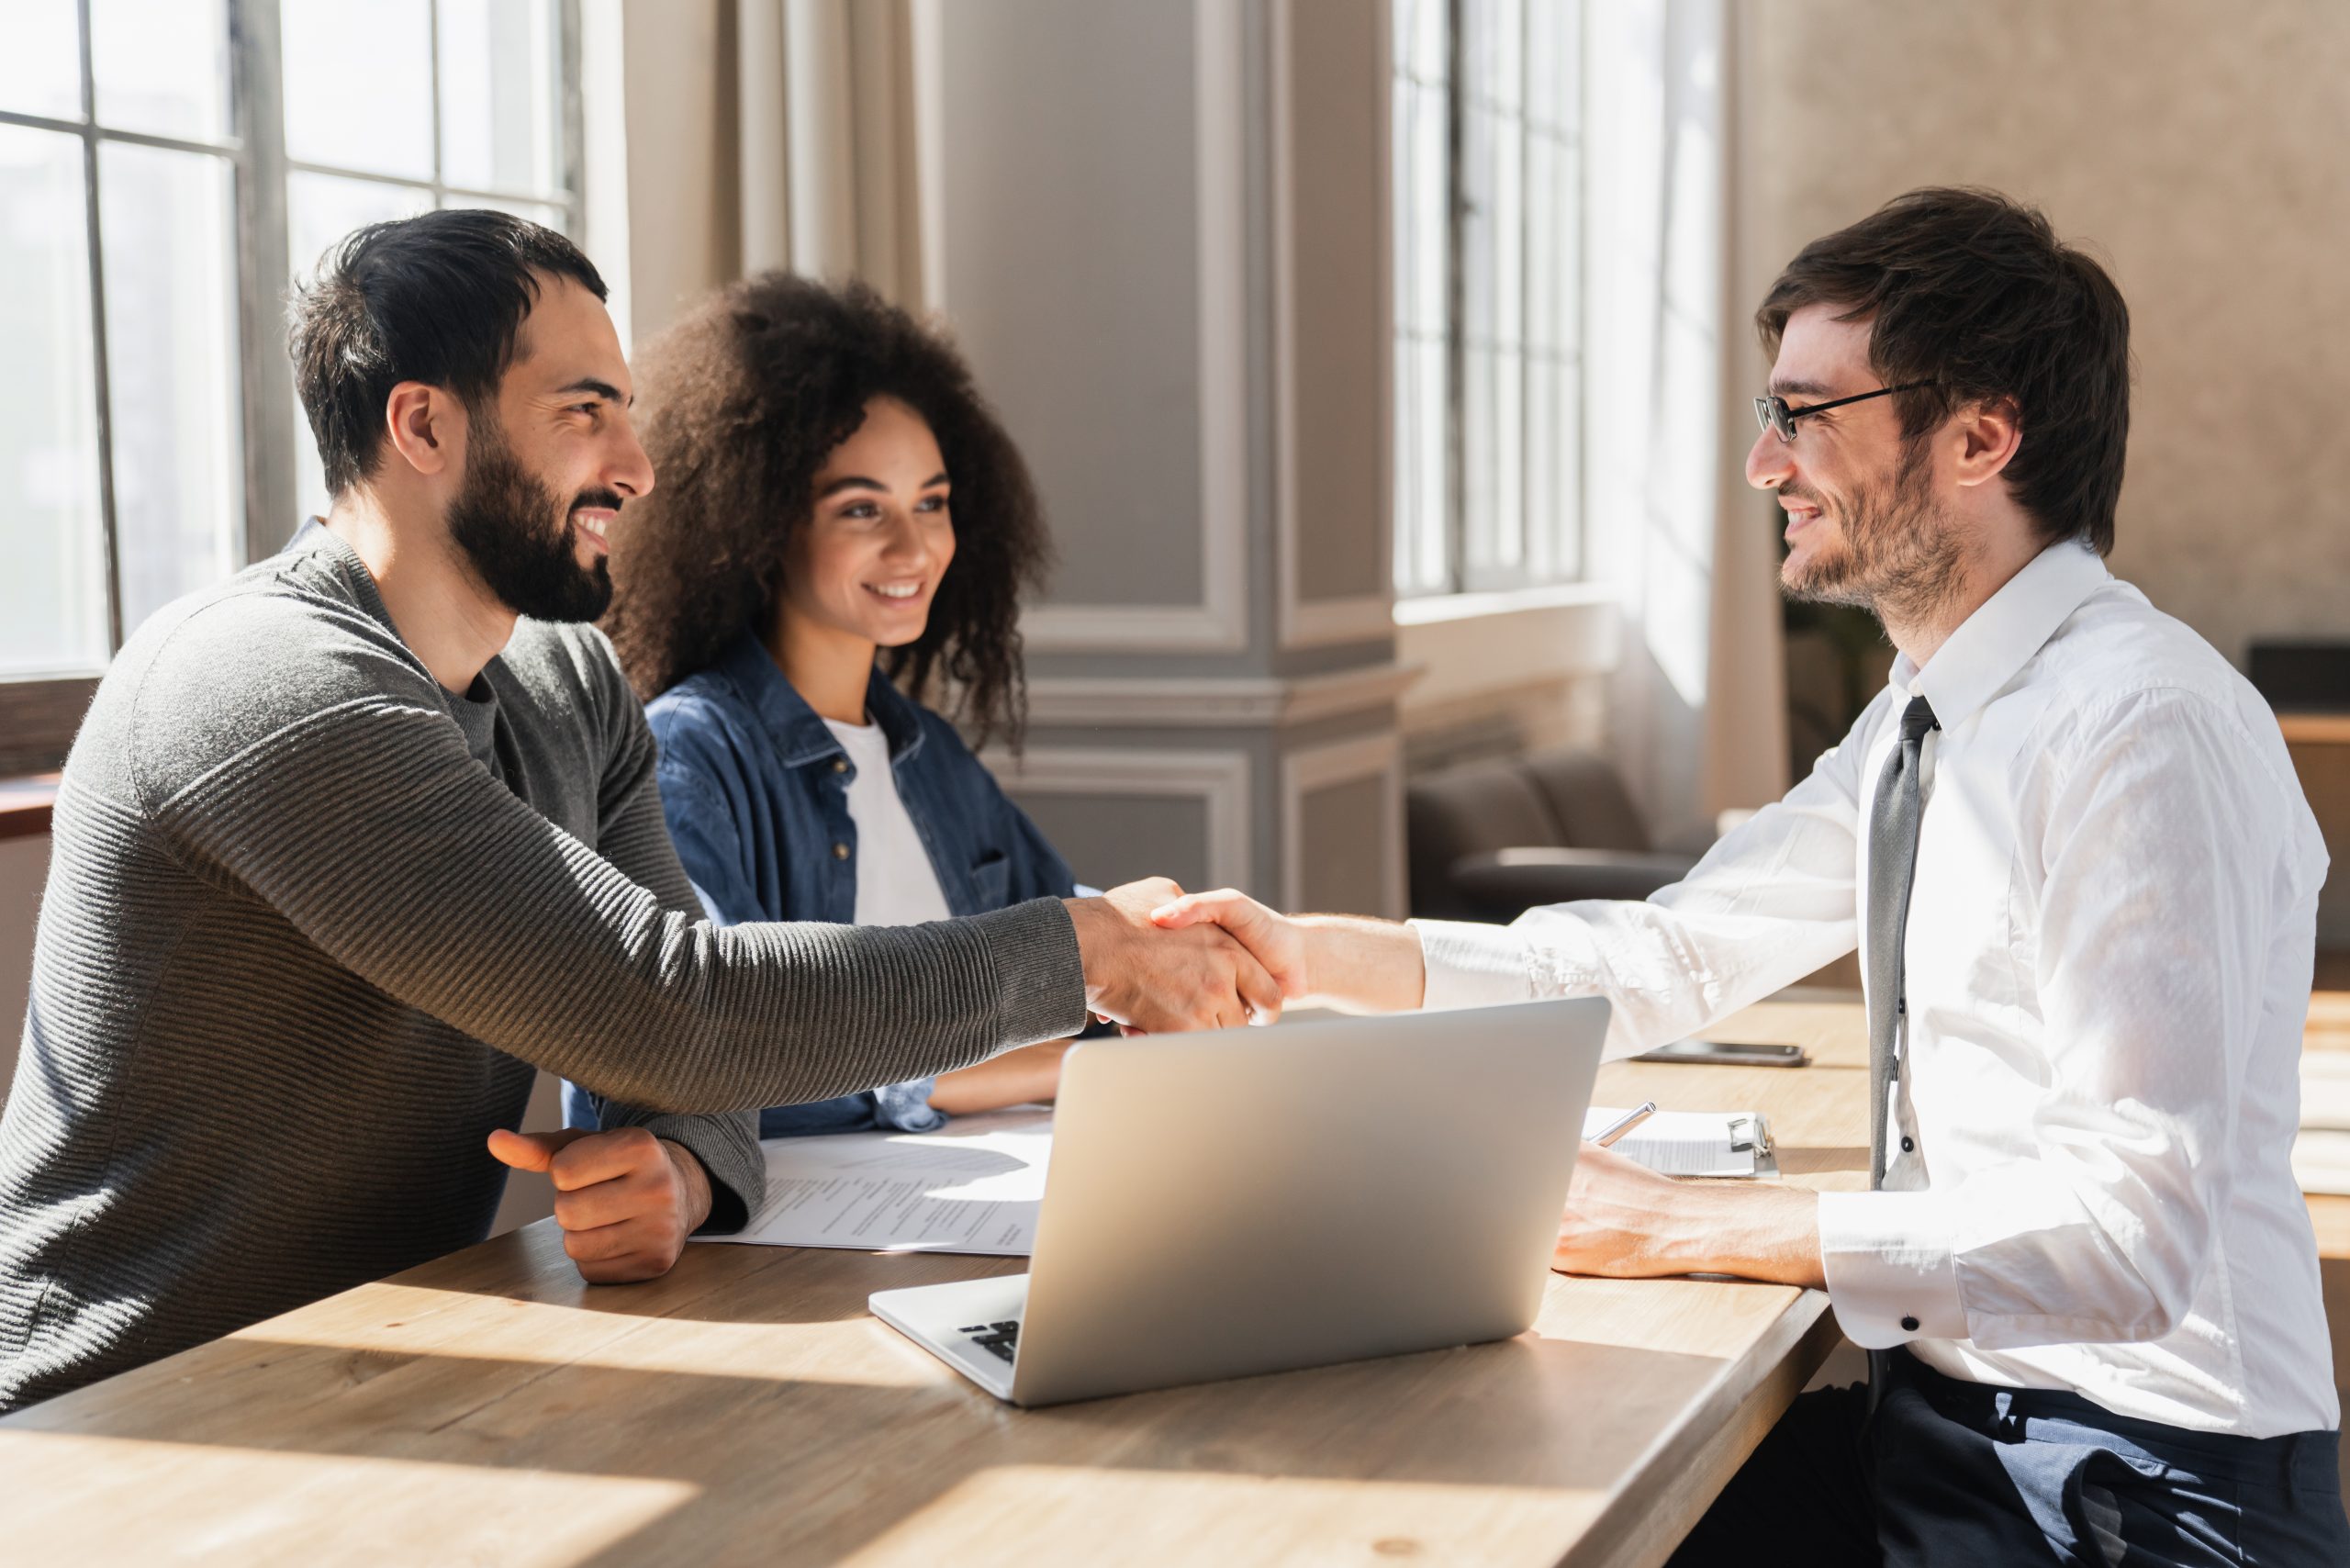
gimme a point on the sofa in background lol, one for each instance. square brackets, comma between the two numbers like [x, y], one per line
[1490, 840]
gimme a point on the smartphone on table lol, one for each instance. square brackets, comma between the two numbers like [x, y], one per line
[1727, 1053]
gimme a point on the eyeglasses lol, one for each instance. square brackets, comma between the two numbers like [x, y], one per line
[1771, 411]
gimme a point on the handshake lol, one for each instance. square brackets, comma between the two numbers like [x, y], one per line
[1159, 960]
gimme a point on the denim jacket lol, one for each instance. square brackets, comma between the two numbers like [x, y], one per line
[755, 789]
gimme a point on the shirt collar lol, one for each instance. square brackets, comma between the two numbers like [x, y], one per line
[798, 732]
[1996, 641]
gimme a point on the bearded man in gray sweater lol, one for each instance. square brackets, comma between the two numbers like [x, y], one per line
[351, 846]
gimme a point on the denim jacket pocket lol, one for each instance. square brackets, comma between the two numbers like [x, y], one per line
[991, 880]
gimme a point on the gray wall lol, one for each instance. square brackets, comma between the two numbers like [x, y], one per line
[1071, 215]
[2198, 148]
[1163, 249]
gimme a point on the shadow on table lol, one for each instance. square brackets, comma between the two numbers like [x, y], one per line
[815, 1470]
[721, 1283]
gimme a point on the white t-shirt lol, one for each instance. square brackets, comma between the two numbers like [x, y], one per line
[896, 884]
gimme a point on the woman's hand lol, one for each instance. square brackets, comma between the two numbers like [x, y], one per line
[1015, 1078]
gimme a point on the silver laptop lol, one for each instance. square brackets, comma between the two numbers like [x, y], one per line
[1252, 1200]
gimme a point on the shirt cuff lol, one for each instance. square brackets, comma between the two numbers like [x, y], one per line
[727, 1144]
[1891, 1270]
[1470, 965]
[906, 1107]
[1040, 974]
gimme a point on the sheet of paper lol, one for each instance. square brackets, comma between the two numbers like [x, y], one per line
[1678, 1143]
[974, 1186]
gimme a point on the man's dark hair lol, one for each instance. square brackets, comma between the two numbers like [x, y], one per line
[1972, 292]
[438, 298]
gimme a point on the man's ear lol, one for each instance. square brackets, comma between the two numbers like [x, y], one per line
[1990, 434]
[425, 426]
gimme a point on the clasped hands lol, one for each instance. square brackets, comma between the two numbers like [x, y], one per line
[1621, 1219]
[1158, 960]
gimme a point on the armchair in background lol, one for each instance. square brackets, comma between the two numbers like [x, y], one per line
[1490, 840]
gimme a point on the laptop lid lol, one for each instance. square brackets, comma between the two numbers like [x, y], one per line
[1252, 1200]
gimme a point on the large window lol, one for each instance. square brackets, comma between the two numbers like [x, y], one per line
[168, 169]
[1488, 408]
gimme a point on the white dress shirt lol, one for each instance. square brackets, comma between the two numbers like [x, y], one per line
[2107, 961]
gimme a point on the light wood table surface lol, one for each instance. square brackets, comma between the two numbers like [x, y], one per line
[490, 1409]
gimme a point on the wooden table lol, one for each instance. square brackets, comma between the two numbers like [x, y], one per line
[2320, 746]
[2329, 1030]
[490, 1409]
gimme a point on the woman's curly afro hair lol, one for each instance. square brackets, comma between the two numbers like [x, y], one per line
[744, 399]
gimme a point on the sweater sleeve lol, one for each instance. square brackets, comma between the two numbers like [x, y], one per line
[327, 780]
[632, 834]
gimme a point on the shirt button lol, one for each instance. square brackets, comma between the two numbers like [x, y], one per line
[840, 851]
[1908, 1146]
[1910, 1323]
[840, 765]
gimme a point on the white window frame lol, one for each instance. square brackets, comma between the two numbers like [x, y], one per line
[1462, 579]
[39, 715]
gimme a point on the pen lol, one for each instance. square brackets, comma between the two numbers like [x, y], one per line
[1627, 1122]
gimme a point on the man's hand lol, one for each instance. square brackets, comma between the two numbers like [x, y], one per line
[1333, 960]
[1624, 1220]
[625, 1199]
[1159, 981]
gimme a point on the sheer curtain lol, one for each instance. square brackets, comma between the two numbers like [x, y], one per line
[830, 140]
[1698, 704]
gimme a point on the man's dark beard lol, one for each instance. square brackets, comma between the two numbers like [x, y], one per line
[520, 536]
[1903, 556]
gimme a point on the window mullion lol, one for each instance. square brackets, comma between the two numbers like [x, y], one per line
[573, 173]
[257, 96]
[433, 74]
[1456, 296]
[100, 380]
[1530, 506]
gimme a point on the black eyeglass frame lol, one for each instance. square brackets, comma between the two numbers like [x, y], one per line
[1771, 410]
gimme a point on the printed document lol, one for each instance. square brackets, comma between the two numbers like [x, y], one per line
[1692, 1143]
[974, 1186]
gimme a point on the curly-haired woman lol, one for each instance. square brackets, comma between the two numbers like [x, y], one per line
[839, 516]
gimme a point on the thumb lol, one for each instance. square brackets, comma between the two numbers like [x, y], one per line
[1192, 909]
[531, 1152]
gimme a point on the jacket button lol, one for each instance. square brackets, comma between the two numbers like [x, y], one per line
[840, 765]
[1908, 1146]
[840, 851]
[1910, 1323]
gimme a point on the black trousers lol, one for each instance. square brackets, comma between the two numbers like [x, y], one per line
[1945, 1472]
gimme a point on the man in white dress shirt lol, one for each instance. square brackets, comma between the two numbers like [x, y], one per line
[2072, 851]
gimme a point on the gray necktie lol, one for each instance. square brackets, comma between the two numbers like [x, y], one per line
[1893, 862]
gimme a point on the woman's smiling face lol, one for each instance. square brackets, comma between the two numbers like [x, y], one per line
[870, 561]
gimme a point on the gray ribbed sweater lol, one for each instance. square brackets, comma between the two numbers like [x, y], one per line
[311, 923]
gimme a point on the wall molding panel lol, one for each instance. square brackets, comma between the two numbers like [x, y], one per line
[1222, 781]
[1240, 701]
[1219, 624]
[1220, 423]
[1315, 622]
[1312, 768]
